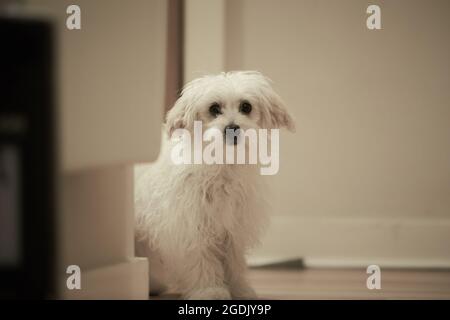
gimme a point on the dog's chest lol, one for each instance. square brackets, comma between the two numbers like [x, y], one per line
[221, 199]
[226, 190]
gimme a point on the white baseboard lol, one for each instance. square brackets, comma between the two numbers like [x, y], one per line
[126, 280]
[352, 242]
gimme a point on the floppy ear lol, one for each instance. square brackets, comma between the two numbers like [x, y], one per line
[179, 116]
[275, 113]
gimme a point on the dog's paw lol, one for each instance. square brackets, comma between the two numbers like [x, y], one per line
[213, 293]
[243, 292]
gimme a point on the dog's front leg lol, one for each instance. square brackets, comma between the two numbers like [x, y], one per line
[204, 277]
[235, 273]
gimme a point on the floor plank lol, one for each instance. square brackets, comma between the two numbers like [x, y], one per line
[350, 284]
[346, 284]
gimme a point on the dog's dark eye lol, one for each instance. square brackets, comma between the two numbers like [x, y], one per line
[214, 109]
[245, 108]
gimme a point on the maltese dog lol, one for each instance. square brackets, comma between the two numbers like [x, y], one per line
[194, 221]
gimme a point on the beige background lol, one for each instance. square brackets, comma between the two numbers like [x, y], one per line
[366, 178]
[110, 83]
[111, 78]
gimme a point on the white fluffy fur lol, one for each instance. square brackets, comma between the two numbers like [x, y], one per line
[195, 223]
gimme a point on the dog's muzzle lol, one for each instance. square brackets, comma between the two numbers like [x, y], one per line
[232, 132]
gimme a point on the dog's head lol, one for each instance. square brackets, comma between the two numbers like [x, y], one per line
[230, 101]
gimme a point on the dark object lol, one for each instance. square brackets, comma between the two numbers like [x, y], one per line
[232, 132]
[214, 109]
[292, 264]
[26, 159]
[245, 107]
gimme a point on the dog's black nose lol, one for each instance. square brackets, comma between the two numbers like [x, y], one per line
[233, 127]
[232, 133]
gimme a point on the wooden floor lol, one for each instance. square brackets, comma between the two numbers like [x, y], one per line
[347, 284]
[350, 284]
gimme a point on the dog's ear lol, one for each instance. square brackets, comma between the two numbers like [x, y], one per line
[275, 113]
[178, 117]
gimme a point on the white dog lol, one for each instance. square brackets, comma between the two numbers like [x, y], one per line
[195, 223]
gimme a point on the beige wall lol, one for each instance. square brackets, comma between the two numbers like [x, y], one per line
[204, 45]
[373, 107]
[111, 80]
[367, 175]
